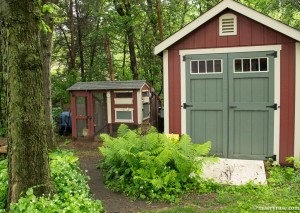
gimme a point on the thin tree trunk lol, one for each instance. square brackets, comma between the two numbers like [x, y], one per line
[152, 17]
[46, 44]
[130, 35]
[79, 37]
[124, 56]
[68, 45]
[93, 47]
[159, 20]
[27, 134]
[133, 63]
[72, 42]
[109, 58]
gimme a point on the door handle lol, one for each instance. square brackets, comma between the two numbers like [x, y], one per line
[186, 105]
[274, 106]
[232, 107]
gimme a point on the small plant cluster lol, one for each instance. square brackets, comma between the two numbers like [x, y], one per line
[281, 194]
[3, 183]
[70, 182]
[152, 166]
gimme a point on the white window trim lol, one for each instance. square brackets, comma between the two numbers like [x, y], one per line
[124, 110]
[120, 101]
[228, 16]
[140, 106]
[297, 103]
[232, 50]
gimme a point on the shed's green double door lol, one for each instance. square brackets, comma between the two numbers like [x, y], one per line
[230, 101]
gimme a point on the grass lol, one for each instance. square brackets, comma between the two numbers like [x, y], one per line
[282, 194]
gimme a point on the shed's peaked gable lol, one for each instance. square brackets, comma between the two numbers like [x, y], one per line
[235, 6]
[228, 33]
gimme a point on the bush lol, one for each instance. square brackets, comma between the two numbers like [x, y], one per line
[71, 185]
[3, 183]
[152, 166]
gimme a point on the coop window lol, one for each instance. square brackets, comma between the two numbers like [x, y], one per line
[146, 110]
[228, 25]
[145, 93]
[124, 115]
[210, 66]
[123, 97]
[247, 65]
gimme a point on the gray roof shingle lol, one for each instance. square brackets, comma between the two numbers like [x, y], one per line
[107, 85]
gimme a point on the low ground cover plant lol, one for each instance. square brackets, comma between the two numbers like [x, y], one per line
[73, 194]
[280, 195]
[153, 166]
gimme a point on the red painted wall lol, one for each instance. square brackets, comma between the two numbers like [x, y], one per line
[250, 33]
[133, 105]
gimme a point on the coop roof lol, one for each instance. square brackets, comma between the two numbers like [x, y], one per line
[108, 85]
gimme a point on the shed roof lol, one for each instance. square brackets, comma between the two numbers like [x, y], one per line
[108, 85]
[235, 6]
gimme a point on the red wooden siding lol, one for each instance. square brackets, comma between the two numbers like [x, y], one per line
[250, 33]
[133, 105]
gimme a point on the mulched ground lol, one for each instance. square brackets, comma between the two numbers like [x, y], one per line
[114, 202]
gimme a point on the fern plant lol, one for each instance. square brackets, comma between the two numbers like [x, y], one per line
[152, 166]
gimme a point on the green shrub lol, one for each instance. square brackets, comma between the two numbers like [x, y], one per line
[152, 166]
[71, 184]
[3, 183]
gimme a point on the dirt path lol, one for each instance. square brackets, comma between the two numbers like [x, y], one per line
[89, 157]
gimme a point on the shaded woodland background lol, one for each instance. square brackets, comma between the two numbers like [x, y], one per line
[114, 39]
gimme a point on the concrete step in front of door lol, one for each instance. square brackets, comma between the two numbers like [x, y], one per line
[235, 171]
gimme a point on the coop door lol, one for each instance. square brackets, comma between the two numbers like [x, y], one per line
[100, 112]
[83, 124]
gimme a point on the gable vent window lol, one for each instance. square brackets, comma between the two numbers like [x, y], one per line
[228, 25]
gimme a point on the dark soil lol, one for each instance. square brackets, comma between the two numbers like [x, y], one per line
[89, 157]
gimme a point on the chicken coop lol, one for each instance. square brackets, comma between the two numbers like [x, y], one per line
[100, 107]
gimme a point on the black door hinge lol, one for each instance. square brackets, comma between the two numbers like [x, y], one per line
[274, 106]
[186, 105]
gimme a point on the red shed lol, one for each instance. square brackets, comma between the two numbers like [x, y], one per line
[232, 76]
[100, 107]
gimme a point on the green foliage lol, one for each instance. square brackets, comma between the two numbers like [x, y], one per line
[295, 161]
[282, 191]
[3, 131]
[152, 166]
[71, 185]
[61, 81]
[3, 183]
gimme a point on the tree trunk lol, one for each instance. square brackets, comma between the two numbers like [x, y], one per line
[159, 20]
[109, 58]
[46, 44]
[72, 43]
[27, 134]
[130, 35]
[94, 47]
[79, 37]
